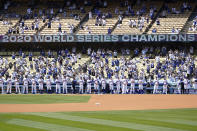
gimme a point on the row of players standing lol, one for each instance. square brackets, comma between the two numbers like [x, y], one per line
[113, 86]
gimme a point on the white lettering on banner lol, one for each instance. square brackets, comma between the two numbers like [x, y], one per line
[48, 38]
[125, 38]
[13, 38]
[143, 38]
[167, 38]
[80, 38]
[134, 38]
[88, 38]
[107, 38]
[5, 38]
[182, 37]
[70, 38]
[20, 39]
[27, 39]
[152, 37]
[173, 38]
[100, 38]
[63, 38]
[115, 38]
[97, 38]
[162, 37]
[191, 37]
[38, 38]
[56, 38]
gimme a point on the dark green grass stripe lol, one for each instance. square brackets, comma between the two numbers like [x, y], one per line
[131, 125]
[175, 121]
[189, 114]
[13, 127]
[45, 126]
[140, 118]
[82, 125]
[42, 99]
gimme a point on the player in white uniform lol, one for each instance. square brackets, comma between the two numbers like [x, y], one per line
[103, 85]
[118, 86]
[165, 87]
[40, 85]
[65, 88]
[81, 82]
[16, 82]
[33, 86]
[132, 89]
[9, 85]
[58, 89]
[186, 85]
[48, 84]
[178, 84]
[111, 86]
[141, 87]
[124, 86]
[25, 85]
[89, 85]
[156, 86]
[195, 85]
[1, 85]
[96, 86]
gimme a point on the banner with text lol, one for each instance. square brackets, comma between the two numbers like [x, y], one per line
[99, 38]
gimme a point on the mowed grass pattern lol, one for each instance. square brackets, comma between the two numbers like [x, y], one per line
[42, 99]
[146, 120]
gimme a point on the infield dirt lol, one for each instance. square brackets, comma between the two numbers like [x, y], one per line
[110, 102]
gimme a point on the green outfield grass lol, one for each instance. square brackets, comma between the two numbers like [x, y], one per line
[42, 99]
[147, 120]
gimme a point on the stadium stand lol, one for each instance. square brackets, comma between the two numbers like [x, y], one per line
[134, 69]
[172, 18]
[137, 23]
[148, 65]
[100, 20]
[191, 25]
[7, 24]
[120, 17]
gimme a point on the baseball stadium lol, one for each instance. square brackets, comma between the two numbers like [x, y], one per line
[98, 65]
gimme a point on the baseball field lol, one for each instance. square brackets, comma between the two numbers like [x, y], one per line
[98, 112]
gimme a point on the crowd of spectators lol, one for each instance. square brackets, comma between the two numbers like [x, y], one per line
[146, 66]
[48, 14]
[185, 7]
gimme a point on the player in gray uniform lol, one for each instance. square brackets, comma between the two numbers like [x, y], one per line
[1, 85]
[156, 86]
[89, 84]
[96, 86]
[111, 86]
[141, 87]
[48, 84]
[16, 82]
[81, 82]
[195, 85]
[33, 86]
[186, 85]
[58, 89]
[25, 85]
[65, 88]
[178, 85]
[124, 86]
[103, 85]
[118, 87]
[9, 85]
[132, 89]
[165, 86]
[40, 85]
